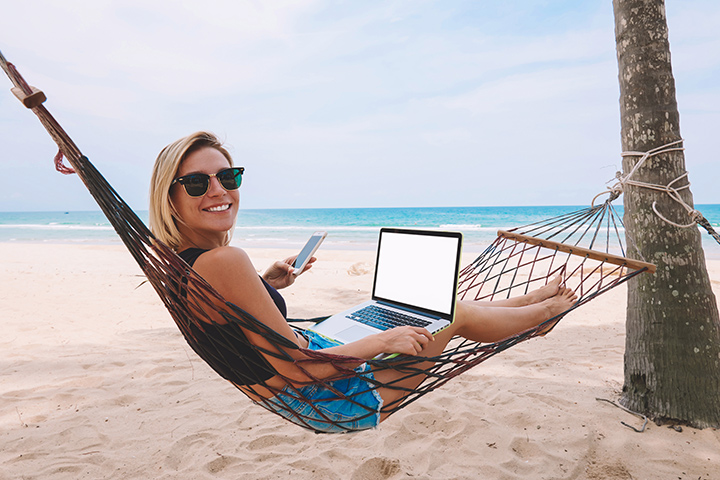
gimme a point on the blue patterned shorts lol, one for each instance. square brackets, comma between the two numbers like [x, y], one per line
[319, 408]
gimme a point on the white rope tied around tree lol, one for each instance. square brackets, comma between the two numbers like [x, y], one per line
[674, 192]
[670, 189]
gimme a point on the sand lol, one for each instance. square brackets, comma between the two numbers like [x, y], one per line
[97, 382]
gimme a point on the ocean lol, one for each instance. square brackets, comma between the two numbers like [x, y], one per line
[348, 228]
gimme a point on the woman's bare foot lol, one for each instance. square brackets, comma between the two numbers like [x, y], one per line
[555, 305]
[543, 293]
[563, 300]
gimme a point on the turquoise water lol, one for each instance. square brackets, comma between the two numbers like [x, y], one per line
[348, 228]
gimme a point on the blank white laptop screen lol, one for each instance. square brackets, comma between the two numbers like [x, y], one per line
[427, 265]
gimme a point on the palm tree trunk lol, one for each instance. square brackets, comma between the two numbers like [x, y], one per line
[672, 356]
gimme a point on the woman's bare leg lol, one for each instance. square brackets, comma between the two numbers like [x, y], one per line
[536, 296]
[491, 323]
[478, 323]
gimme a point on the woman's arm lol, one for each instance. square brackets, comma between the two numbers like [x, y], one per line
[407, 340]
[231, 273]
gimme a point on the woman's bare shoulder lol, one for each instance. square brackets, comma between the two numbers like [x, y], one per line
[224, 263]
[223, 254]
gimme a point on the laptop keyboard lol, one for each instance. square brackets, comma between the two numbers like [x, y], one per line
[384, 319]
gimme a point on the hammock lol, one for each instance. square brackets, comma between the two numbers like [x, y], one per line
[584, 247]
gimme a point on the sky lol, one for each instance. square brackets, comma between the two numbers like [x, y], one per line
[393, 103]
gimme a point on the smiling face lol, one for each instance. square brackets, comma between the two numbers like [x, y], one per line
[205, 221]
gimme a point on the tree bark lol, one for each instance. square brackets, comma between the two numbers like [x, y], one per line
[672, 351]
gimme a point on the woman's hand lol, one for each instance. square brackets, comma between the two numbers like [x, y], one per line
[280, 274]
[404, 340]
[407, 340]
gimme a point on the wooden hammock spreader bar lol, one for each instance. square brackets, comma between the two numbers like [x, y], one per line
[579, 251]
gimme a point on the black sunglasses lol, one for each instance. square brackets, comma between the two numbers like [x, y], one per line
[197, 184]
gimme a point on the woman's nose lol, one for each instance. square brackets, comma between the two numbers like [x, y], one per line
[215, 189]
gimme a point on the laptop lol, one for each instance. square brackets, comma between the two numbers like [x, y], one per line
[415, 283]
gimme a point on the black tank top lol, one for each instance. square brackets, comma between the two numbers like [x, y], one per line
[225, 347]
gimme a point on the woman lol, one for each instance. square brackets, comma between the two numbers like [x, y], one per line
[194, 202]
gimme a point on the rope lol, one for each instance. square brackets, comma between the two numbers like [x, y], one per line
[706, 225]
[674, 192]
[60, 166]
[639, 415]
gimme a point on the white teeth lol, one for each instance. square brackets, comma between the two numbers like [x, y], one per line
[219, 208]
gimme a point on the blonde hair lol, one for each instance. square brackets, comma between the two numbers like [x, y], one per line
[163, 216]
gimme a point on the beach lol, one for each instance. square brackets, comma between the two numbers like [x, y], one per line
[97, 382]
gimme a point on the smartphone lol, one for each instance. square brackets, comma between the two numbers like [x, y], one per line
[308, 250]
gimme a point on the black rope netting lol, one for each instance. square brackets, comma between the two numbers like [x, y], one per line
[584, 247]
[710, 230]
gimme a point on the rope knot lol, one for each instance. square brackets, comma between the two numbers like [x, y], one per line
[60, 166]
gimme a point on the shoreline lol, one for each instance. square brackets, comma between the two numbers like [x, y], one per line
[99, 383]
[348, 228]
[711, 249]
